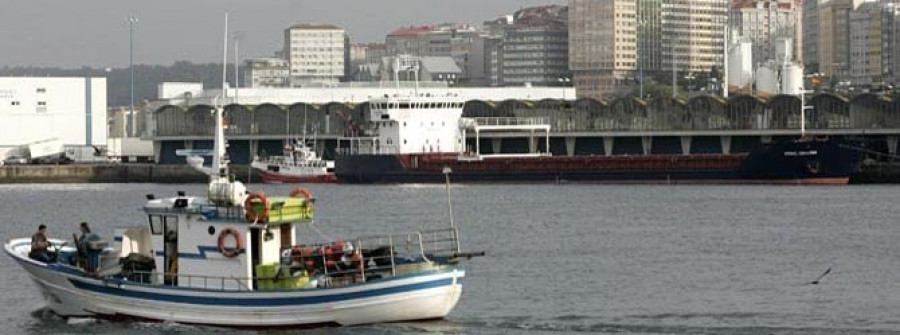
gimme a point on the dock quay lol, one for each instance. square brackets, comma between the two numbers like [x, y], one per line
[872, 173]
[108, 173]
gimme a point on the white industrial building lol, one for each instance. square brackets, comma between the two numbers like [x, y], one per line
[72, 110]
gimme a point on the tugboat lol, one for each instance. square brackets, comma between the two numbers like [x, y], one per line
[299, 164]
[231, 259]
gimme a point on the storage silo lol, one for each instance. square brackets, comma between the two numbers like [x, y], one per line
[766, 81]
[791, 78]
[740, 64]
[784, 49]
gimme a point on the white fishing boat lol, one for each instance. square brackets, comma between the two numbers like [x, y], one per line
[299, 164]
[231, 258]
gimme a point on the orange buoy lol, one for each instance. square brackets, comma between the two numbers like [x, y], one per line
[301, 191]
[238, 242]
[256, 199]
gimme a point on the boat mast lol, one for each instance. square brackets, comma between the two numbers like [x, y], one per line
[219, 164]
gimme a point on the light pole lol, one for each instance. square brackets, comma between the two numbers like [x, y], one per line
[690, 78]
[643, 35]
[132, 21]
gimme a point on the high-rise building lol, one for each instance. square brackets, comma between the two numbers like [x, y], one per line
[602, 46]
[763, 22]
[649, 35]
[866, 44]
[834, 37]
[267, 72]
[535, 49]
[811, 35]
[693, 33]
[890, 39]
[316, 53]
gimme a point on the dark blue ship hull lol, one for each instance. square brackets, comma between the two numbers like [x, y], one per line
[789, 162]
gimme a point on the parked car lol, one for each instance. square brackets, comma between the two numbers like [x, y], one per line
[15, 160]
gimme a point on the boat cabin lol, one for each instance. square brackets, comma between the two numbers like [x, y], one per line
[197, 243]
[191, 236]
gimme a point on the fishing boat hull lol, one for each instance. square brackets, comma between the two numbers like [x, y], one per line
[70, 292]
[278, 178]
[285, 174]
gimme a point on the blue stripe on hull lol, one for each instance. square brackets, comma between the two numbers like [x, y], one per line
[286, 301]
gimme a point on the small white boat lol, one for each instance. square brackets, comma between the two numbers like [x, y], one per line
[299, 164]
[232, 259]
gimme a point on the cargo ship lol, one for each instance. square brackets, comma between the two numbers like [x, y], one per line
[414, 138]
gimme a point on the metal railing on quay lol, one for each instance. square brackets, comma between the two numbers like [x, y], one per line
[511, 121]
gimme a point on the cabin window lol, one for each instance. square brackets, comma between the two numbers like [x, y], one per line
[160, 224]
[156, 224]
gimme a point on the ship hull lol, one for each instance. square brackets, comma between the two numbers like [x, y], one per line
[800, 162]
[277, 178]
[70, 292]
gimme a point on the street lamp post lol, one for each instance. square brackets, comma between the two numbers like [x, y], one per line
[641, 38]
[132, 21]
[690, 78]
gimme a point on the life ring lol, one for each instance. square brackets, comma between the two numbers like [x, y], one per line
[249, 206]
[238, 241]
[301, 191]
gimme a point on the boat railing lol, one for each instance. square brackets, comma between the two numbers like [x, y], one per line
[330, 265]
[216, 283]
[376, 257]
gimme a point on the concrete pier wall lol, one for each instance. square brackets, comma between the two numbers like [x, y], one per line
[108, 173]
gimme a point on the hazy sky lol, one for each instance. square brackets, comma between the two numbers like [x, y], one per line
[67, 33]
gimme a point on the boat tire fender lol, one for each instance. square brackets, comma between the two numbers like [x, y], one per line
[239, 243]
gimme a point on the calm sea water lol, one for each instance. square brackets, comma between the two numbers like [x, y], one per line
[568, 259]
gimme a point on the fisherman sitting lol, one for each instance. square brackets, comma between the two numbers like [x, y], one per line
[81, 242]
[39, 245]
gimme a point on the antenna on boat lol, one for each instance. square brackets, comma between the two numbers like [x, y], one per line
[446, 173]
[803, 109]
[219, 164]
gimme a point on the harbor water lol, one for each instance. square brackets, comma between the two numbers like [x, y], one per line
[563, 258]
